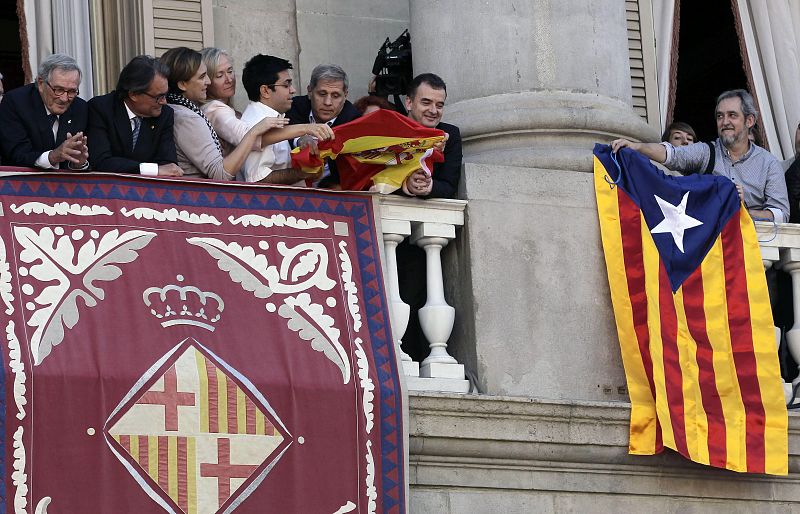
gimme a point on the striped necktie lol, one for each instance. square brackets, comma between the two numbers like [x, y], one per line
[137, 124]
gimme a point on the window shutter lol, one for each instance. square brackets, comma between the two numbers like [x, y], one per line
[641, 55]
[178, 23]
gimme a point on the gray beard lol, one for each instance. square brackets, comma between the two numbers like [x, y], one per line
[728, 140]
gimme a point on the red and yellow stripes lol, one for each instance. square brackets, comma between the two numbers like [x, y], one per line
[224, 407]
[701, 364]
[170, 461]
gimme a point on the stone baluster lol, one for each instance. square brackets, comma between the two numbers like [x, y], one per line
[790, 262]
[394, 231]
[437, 317]
[431, 225]
[769, 256]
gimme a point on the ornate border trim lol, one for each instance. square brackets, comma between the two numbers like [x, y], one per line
[18, 369]
[276, 220]
[61, 209]
[366, 385]
[171, 215]
[350, 286]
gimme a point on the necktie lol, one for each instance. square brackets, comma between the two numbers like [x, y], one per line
[53, 125]
[137, 124]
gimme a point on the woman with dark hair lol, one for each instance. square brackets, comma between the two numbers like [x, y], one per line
[198, 146]
[679, 134]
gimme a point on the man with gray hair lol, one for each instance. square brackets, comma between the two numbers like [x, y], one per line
[758, 175]
[42, 124]
[326, 102]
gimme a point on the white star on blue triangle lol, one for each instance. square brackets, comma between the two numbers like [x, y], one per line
[676, 221]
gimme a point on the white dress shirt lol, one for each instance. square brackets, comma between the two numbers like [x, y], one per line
[276, 156]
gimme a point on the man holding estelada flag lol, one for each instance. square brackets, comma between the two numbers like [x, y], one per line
[693, 316]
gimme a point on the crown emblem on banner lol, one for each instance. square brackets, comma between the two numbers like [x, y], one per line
[184, 305]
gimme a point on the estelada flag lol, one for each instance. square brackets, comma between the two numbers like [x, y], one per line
[377, 151]
[693, 316]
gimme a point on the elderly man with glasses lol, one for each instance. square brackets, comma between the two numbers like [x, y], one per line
[131, 128]
[42, 124]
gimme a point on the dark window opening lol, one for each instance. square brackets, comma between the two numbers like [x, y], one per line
[10, 47]
[709, 62]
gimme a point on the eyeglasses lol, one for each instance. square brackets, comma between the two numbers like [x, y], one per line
[286, 84]
[158, 98]
[60, 91]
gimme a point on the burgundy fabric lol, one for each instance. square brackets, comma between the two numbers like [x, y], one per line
[195, 347]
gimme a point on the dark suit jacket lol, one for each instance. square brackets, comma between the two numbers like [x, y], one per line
[793, 187]
[301, 109]
[25, 130]
[447, 174]
[111, 138]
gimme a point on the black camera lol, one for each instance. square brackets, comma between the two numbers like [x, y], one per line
[392, 69]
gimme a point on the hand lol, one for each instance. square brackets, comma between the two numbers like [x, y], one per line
[73, 150]
[740, 190]
[623, 143]
[310, 142]
[419, 183]
[267, 124]
[271, 123]
[170, 170]
[440, 145]
[321, 131]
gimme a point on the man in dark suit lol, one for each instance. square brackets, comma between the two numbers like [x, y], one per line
[326, 102]
[130, 129]
[425, 105]
[42, 124]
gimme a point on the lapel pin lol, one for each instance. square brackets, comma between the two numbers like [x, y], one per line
[69, 121]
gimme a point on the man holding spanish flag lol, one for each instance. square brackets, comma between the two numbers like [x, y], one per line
[425, 105]
[386, 152]
[693, 316]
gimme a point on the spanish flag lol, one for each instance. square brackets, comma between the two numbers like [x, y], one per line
[377, 151]
[693, 316]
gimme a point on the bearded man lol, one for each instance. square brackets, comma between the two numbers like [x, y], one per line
[758, 175]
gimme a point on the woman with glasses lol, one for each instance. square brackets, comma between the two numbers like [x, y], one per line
[198, 146]
[227, 121]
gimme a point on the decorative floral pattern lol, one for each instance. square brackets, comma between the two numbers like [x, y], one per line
[53, 258]
[312, 324]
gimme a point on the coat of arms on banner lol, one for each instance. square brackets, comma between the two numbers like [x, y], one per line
[188, 347]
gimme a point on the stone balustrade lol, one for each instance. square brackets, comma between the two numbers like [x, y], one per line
[780, 247]
[431, 225]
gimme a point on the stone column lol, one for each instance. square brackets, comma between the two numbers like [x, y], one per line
[532, 84]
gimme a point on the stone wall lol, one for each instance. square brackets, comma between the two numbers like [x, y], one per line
[307, 33]
[479, 454]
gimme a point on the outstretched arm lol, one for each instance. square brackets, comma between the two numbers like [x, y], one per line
[653, 151]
